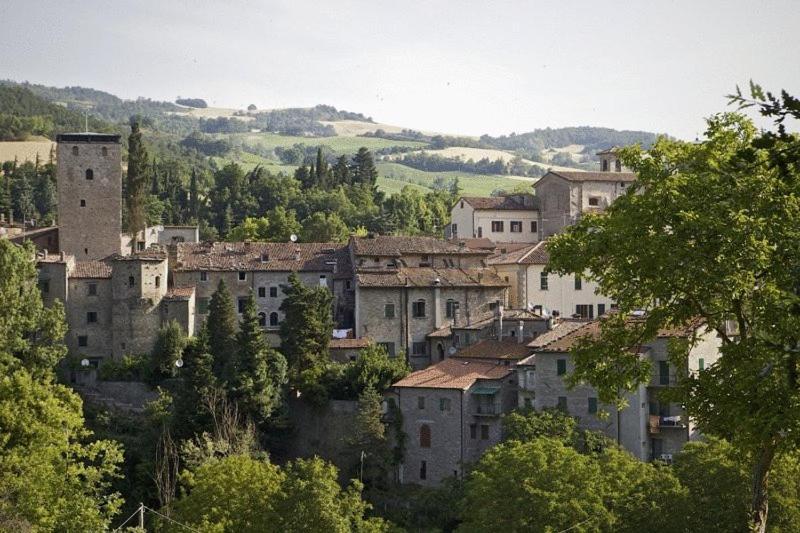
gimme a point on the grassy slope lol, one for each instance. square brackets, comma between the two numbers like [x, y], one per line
[340, 145]
[471, 184]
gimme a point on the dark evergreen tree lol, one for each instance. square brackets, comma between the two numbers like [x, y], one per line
[341, 171]
[22, 198]
[364, 170]
[221, 323]
[136, 183]
[194, 198]
[257, 372]
[197, 383]
[321, 175]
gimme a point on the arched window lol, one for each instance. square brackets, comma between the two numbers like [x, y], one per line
[89, 174]
[262, 319]
[158, 281]
[104, 151]
[273, 319]
[131, 281]
[424, 436]
[74, 150]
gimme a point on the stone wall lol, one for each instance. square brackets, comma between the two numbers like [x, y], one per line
[99, 335]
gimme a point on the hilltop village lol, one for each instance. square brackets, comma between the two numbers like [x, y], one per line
[482, 323]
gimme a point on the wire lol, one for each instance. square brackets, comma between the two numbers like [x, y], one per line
[126, 521]
[171, 520]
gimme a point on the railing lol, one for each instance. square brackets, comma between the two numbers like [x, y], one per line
[656, 422]
[486, 410]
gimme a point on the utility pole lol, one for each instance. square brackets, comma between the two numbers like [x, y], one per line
[141, 516]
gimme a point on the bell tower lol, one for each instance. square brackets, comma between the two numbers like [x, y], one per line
[89, 177]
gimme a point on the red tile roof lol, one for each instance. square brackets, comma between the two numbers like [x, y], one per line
[593, 176]
[559, 330]
[495, 349]
[397, 246]
[261, 256]
[532, 254]
[454, 374]
[91, 269]
[180, 293]
[514, 202]
[348, 344]
[427, 276]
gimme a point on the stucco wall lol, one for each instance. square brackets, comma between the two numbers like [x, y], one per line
[561, 294]
[484, 218]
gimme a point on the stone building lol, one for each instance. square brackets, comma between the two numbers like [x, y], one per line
[408, 287]
[531, 286]
[648, 427]
[513, 218]
[263, 269]
[451, 416]
[89, 182]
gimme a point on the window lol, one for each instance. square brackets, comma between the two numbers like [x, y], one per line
[562, 403]
[528, 403]
[348, 284]
[44, 286]
[131, 281]
[158, 281]
[497, 226]
[75, 150]
[663, 373]
[91, 317]
[561, 367]
[605, 165]
[140, 246]
[424, 436]
[462, 204]
[202, 305]
[618, 165]
[323, 281]
[240, 303]
[203, 276]
[86, 251]
[534, 226]
[418, 309]
[423, 470]
[273, 292]
[543, 281]
[493, 306]
[89, 174]
[104, 151]
[262, 319]
[388, 311]
[262, 292]
[456, 340]
[420, 402]
[516, 226]
[473, 431]
[389, 347]
[454, 229]
[701, 364]
[585, 311]
[273, 319]
[242, 276]
[578, 283]
[83, 202]
[484, 432]
[91, 289]
[592, 406]
[419, 348]
[444, 404]
[480, 232]
[450, 308]
[594, 201]
[601, 309]
[83, 341]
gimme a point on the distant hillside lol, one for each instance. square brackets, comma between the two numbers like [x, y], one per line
[591, 138]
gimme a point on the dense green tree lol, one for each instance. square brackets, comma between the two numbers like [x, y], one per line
[251, 229]
[341, 171]
[197, 385]
[257, 373]
[222, 326]
[364, 169]
[282, 224]
[306, 332]
[169, 346]
[194, 197]
[708, 231]
[320, 227]
[528, 425]
[368, 444]
[136, 183]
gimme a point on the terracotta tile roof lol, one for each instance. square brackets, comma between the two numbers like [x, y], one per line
[559, 330]
[180, 293]
[154, 253]
[397, 246]
[427, 276]
[260, 256]
[482, 243]
[348, 344]
[91, 269]
[454, 374]
[508, 314]
[441, 333]
[495, 349]
[532, 254]
[515, 202]
[593, 176]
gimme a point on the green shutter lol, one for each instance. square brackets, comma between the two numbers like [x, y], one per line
[561, 367]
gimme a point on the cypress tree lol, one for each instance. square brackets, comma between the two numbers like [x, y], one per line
[136, 183]
[257, 372]
[341, 171]
[221, 324]
[364, 170]
[321, 169]
[197, 381]
[194, 198]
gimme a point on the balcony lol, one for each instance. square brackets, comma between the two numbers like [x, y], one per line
[486, 410]
[657, 423]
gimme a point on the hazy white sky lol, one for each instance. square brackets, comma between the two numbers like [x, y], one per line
[457, 66]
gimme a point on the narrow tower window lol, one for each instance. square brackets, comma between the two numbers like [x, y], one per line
[74, 150]
[104, 151]
[89, 174]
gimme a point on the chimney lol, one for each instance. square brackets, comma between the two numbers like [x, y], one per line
[521, 330]
[297, 254]
[500, 316]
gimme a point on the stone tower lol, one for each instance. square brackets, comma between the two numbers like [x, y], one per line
[89, 175]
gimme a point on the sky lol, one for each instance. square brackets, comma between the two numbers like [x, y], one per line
[460, 67]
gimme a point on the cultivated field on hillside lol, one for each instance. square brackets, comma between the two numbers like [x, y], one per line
[25, 150]
[340, 145]
[471, 184]
[211, 112]
[354, 128]
[477, 154]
